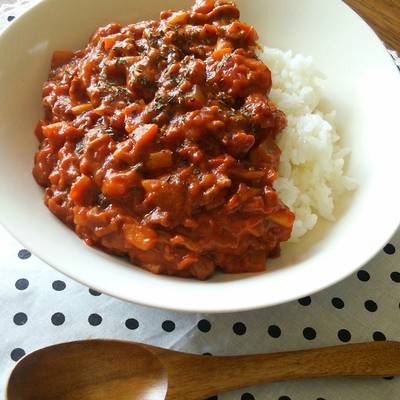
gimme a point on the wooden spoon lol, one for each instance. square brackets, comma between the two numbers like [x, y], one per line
[105, 369]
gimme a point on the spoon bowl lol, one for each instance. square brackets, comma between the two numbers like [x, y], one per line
[90, 370]
[107, 369]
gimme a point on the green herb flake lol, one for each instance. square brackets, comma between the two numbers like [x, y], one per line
[122, 61]
[79, 147]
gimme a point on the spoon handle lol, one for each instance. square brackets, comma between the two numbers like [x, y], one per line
[220, 374]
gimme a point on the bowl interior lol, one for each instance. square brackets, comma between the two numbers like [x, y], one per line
[362, 85]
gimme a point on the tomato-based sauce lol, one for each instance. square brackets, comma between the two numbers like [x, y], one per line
[158, 143]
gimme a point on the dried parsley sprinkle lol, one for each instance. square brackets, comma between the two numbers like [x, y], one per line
[122, 61]
[153, 40]
[137, 70]
[79, 147]
[144, 81]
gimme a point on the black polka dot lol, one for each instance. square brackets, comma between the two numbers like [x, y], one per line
[17, 354]
[395, 277]
[305, 301]
[20, 319]
[274, 331]
[247, 396]
[363, 276]
[213, 398]
[24, 254]
[388, 378]
[58, 319]
[207, 354]
[132, 324]
[371, 306]
[338, 303]
[284, 398]
[344, 335]
[379, 336]
[309, 333]
[389, 249]
[95, 319]
[239, 328]
[59, 285]
[320, 398]
[22, 284]
[10, 18]
[94, 292]
[168, 326]
[204, 326]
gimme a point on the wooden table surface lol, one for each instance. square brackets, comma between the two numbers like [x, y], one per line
[383, 16]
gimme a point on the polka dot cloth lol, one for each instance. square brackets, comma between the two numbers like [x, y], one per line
[40, 307]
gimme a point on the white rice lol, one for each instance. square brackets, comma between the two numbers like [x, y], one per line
[313, 159]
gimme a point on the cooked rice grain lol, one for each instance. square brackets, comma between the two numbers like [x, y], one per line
[312, 169]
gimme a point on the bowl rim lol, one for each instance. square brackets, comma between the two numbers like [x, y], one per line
[210, 308]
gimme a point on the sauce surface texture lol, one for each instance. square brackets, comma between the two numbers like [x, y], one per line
[158, 143]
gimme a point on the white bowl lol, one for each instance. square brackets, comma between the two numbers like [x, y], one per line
[363, 86]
